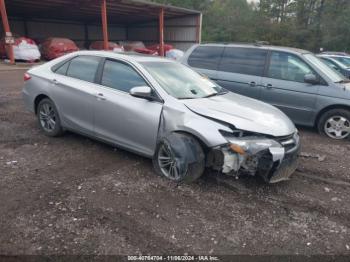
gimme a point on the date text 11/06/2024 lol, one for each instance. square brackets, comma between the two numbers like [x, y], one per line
[173, 258]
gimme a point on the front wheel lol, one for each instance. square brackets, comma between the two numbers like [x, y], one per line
[180, 158]
[335, 124]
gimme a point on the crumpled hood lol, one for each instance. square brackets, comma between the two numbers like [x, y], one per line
[244, 113]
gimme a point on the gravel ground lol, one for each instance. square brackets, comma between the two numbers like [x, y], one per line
[73, 195]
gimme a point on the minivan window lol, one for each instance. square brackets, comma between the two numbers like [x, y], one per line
[83, 68]
[206, 57]
[331, 73]
[121, 76]
[289, 67]
[248, 61]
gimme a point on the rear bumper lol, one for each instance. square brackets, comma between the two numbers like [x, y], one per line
[27, 100]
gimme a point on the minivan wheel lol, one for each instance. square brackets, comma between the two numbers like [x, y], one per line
[48, 118]
[335, 124]
[167, 160]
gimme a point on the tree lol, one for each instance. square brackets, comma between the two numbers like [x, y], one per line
[308, 24]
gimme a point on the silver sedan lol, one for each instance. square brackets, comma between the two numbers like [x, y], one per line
[162, 110]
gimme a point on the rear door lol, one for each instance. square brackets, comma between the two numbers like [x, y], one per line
[241, 70]
[74, 92]
[205, 60]
[123, 119]
[284, 87]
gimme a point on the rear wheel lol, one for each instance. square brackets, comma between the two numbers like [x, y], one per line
[48, 118]
[335, 124]
[175, 165]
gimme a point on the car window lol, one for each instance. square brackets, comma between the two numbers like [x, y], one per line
[62, 70]
[288, 67]
[344, 60]
[83, 68]
[206, 57]
[330, 63]
[331, 73]
[247, 61]
[121, 76]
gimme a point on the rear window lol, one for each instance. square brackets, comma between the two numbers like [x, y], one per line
[246, 61]
[206, 57]
[83, 68]
[62, 70]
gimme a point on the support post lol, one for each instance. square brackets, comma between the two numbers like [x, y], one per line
[7, 30]
[161, 32]
[199, 29]
[104, 24]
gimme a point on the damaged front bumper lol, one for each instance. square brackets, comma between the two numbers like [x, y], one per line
[274, 159]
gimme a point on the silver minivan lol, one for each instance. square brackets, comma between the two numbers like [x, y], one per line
[294, 80]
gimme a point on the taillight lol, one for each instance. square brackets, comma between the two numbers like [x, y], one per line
[26, 77]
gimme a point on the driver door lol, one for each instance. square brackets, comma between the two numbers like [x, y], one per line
[123, 119]
[284, 87]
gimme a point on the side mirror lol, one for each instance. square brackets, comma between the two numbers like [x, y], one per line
[311, 79]
[142, 92]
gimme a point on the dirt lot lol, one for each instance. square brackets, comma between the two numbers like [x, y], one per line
[73, 195]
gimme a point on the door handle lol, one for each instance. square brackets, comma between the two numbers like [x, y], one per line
[252, 84]
[268, 86]
[100, 96]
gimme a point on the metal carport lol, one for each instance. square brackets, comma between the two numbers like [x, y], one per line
[86, 20]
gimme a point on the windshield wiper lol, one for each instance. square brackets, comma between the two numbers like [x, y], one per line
[181, 98]
[221, 92]
[210, 95]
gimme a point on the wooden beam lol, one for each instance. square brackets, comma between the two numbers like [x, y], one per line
[161, 32]
[104, 24]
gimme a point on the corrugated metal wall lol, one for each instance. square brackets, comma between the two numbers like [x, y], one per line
[76, 31]
[180, 32]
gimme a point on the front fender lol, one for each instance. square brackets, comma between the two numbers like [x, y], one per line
[205, 129]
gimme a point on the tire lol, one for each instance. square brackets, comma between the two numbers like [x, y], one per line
[335, 124]
[193, 170]
[48, 118]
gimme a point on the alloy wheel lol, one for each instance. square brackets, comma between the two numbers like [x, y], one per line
[337, 127]
[167, 163]
[47, 117]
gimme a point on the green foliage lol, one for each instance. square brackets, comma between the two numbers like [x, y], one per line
[308, 24]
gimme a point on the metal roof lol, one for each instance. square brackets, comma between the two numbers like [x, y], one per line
[118, 11]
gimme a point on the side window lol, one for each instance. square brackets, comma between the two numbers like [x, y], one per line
[288, 67]
[62, 70]
[121, 76]
[248, 61]
[83, 68]
[206, 57]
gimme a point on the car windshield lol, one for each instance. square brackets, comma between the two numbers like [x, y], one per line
[334, 75]
[180, 81]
